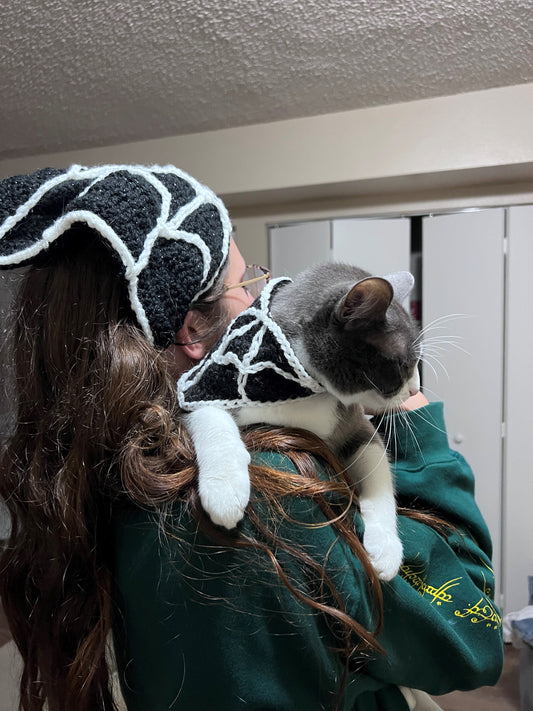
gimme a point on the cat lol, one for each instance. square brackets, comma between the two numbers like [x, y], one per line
[315, 352]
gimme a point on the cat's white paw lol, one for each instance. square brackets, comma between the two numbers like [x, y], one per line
[224, 488]
[385, 552]
[381, 542]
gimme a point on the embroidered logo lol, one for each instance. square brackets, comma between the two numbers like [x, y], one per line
[438, 594]
[482, 612]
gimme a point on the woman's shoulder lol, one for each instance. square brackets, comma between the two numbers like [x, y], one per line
[283, 463]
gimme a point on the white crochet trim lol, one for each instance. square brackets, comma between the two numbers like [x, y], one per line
[165, 227]
[244, 363]
[25, 208]
[209, 197]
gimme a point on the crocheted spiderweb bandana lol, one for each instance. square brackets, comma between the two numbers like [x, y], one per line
[252, 364]
[168, 233]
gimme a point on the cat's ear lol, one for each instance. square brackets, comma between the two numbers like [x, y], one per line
[402, 283]
[368, 300]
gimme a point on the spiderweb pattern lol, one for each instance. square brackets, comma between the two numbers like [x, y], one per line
[169, 234]
[252, 364]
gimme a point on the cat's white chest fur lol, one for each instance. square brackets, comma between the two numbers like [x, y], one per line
[223, 481]
[316, 413]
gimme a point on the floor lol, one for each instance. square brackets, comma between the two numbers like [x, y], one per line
[10, 669]
[504, 696]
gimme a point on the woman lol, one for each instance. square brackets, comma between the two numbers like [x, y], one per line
[133, 278]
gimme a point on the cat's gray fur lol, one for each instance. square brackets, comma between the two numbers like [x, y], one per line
[359, 343]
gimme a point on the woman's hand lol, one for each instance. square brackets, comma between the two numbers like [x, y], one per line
[412, 403]
[415, 401]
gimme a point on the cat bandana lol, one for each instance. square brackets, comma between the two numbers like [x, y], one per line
[252, 364]
[168, 233]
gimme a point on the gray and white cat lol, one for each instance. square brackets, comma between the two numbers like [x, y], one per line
[314, 353]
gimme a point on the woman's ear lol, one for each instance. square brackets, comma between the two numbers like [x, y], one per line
[189, 337]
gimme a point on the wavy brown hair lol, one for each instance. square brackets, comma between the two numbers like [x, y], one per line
[97, 421]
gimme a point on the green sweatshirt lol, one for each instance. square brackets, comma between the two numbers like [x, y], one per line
[204, 628]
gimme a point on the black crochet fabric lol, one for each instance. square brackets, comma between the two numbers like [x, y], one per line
[252, 364]
[169, 234]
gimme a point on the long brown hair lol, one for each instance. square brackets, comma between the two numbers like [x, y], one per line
[86, 380]
[97, 420]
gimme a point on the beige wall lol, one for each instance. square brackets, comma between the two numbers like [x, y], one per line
[326, 155]
[466, 150]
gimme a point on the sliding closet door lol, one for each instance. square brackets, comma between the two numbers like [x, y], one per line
[381, 246]
[295, 247]
[463, 310]
[518, 486]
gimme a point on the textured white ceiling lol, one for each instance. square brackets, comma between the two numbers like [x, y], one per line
[81, 73]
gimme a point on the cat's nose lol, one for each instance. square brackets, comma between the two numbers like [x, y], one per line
[413, 390]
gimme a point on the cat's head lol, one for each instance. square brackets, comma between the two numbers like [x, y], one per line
[351, 333]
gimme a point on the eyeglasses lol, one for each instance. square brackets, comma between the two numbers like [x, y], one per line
[255, 280]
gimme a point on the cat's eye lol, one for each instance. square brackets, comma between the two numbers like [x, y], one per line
[255, 280]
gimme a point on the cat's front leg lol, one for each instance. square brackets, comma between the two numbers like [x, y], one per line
[371, 472]
[223, 478]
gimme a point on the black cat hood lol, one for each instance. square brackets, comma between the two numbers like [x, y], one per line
[252, 364]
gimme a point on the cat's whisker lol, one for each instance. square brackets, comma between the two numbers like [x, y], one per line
[425, 361]
[430, 422]
[391, 433]
[381, 416]
[370, 471]
[441, 319]
[434, 356]
[411, 431]
[433, 394]
[460, 348]
[439, 336]
[442, 339]
[441, 344]
[435, 344]
[389, 425]
[431, 349]
[420, 412]
[361, 451]
[440, 323]
[374, 386]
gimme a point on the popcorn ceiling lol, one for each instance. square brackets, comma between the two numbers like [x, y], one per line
[80, 74]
